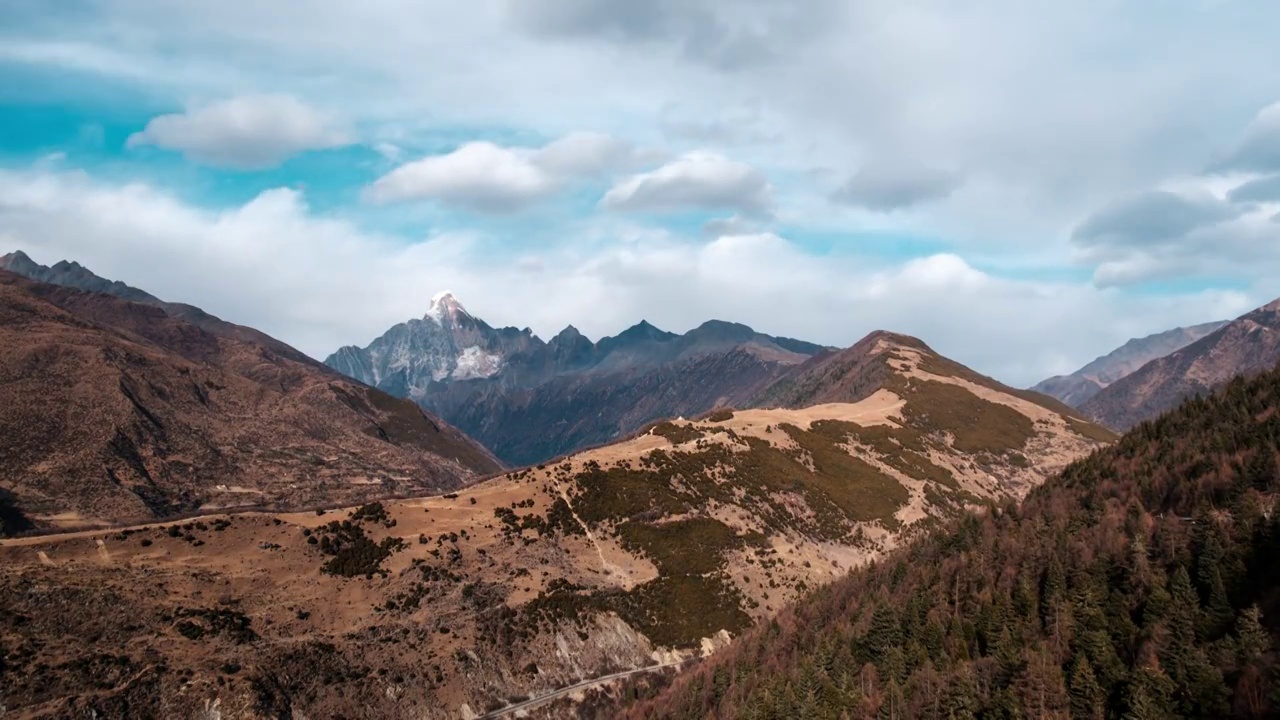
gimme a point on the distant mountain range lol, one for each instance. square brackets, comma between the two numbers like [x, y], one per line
[1248, 345]
[117, 406]
[530, 400]
[1078, 387]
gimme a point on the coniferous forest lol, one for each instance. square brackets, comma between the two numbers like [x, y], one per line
[1142, 583]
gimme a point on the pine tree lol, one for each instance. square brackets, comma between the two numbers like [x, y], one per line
[961, 699]
[1147, 695]
[1199, 687]
[1086, 694]
[1041, 689]
[1252, 640]
[885, 632]
[1052, 587]
[894, 705]
[1217, 615]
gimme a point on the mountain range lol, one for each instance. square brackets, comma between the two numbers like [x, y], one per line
[1248, 345]
[1080, 386]
[119, 409]
[528, 400]
[873, 531]
[644, 553]
[1149, 376]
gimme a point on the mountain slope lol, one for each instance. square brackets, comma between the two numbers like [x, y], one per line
[115, 410]
[1078, 387]
[1140, 583]
[530, 400]
[1246, 345]
[74, 275]
[643, 552]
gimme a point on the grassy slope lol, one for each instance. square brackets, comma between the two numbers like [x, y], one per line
[1131, 586]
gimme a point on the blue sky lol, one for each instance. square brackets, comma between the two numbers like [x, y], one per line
[1023, 185]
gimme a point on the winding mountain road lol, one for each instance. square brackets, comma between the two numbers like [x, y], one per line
[534, 702]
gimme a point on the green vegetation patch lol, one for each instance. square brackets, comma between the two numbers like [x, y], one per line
[677, 434]
[352, 552]
[719, 416]
[373, 512]
[841, 489]
[695, 546]
[977, 425]
[559, 518]
[676, 611]
[901, 448]
[199, 623]
[855, 486]
[945, 367]
[620, 492]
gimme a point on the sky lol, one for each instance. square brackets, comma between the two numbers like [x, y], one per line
[1024, 185]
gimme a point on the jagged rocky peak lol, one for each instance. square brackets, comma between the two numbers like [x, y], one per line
[17, 261]
[644, 330]
[445, 310]
[568, 333]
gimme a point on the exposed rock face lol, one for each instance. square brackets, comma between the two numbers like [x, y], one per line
[529, 400]
[115, 410]
[1078, 387]
[639, 552]
[1247, 345]
[444, 345]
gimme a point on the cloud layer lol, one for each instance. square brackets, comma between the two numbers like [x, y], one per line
[1220, 223]
[246, 132]
[319, 282]
[858, 145]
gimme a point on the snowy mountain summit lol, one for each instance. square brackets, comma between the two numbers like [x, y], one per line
[446, 310]
[448, 343]
[529, 400]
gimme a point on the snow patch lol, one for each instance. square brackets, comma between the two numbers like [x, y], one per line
[445, 305]
[475, 363]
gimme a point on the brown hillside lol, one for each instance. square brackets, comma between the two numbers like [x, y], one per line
[644, 552]
[1245, 346]
[114, 410]
[1140, 583]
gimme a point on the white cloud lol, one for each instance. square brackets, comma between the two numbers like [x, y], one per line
[1258, 149]
[961, 84]
[479, 175]
[695, 180]
[732, 225]
[319, 282]
[589, 154]
[487, 177]
[1217, 224]
[247, 132]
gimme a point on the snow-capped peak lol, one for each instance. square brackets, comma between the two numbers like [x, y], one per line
[445, 308]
